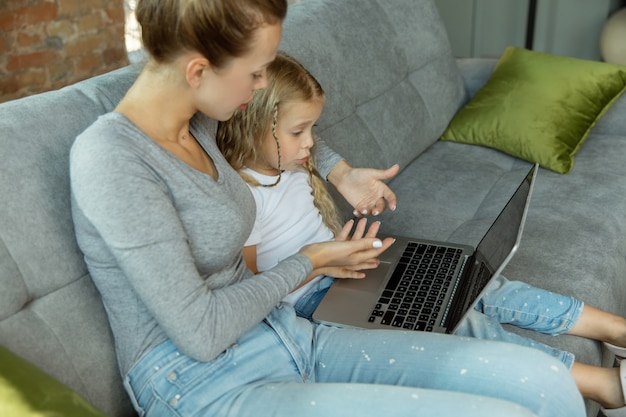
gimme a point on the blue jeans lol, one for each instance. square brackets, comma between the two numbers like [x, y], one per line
[505, 301]
[526, 307]
[289, 366]
[306, 305]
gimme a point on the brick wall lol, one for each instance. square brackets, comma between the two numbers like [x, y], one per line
[47, 44]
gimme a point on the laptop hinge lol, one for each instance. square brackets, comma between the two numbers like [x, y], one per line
[456, 310]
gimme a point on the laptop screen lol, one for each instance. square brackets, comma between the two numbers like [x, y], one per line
[495, 249]
[504, 233]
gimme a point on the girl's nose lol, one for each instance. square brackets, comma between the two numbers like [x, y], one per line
[307, 141]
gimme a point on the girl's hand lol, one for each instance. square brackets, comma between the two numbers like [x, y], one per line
[346, 255]
[364, 188]
[359, 231]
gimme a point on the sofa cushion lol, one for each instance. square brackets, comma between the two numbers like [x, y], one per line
[539, 107]
[391, 82]
[27, 391]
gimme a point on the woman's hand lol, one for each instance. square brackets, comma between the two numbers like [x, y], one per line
[353, 271]
[364, 188]
[347, 255]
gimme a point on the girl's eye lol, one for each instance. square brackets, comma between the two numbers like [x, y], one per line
[257, 75]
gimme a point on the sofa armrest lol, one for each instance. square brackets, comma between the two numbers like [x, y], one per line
[475, 72]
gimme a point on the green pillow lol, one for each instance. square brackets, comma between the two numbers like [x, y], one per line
[538, 107]
[26, 391]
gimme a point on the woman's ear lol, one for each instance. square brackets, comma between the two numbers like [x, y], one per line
[195, 70]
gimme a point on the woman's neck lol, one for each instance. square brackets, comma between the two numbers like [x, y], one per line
[163, 113]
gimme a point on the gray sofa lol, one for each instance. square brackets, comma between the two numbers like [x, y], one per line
[392, 87]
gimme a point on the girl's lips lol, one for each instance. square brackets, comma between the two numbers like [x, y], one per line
[302, 161]
[245, 105]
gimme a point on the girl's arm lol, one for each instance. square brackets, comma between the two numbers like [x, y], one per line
[249, 255]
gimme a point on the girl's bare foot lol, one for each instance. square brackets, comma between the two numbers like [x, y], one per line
[602, 385]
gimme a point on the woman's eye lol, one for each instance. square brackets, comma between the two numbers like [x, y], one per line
[257, 76]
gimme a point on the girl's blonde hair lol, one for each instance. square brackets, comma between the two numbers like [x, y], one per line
[218, 29]
[241, 137]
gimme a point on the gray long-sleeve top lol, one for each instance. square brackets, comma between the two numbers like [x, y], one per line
[163, 242]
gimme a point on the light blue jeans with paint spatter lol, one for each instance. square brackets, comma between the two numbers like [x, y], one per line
[289, 366]
[526, 307]
[308, 302]
[510, 302]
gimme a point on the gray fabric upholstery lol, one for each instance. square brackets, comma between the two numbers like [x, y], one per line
[392, 87]
[389, 76]
[50, 311]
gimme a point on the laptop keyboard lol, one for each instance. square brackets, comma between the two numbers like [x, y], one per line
[417, 288]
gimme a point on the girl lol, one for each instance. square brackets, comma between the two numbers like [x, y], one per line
[269, 144]
[294, 207]
[161, 219]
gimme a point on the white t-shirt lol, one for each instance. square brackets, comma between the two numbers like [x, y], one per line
[286, 220]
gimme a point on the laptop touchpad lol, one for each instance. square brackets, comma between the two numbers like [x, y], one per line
[373, 281]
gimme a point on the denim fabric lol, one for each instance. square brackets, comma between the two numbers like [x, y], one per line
[306, 305]
[288, 366]
[505, 301]
[526, 307]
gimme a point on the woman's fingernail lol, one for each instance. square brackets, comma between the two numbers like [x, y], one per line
[355, 213]
[364, 211]
[377, 244]
[375, 213]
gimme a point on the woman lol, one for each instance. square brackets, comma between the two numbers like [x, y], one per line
[162, 218]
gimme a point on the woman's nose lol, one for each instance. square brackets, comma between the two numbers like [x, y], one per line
[261, 82]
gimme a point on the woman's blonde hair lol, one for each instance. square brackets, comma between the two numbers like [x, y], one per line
[218, 29]
[241, 137]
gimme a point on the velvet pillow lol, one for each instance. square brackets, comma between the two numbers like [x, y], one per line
[538, 107]
[26, 391]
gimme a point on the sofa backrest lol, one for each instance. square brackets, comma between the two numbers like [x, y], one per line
[388, 72]
[50, 311]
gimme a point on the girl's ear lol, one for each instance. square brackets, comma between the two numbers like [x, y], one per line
[196, 69]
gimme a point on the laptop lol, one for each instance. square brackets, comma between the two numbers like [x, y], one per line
[426, 285]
